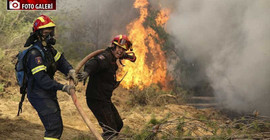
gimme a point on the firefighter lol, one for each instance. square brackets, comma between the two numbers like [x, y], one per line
[102, 71]
[41, 86]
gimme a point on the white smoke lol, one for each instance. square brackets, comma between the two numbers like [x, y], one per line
[230, 38]
[95, 21]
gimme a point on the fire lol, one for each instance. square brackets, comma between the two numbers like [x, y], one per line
[162, 17]
[150, 66]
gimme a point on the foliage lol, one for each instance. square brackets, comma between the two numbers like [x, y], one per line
[77, 50]
[127, 132]
[1, 54]
[182, 93]
[204, 127]
[15, 26]
[149, 132]
[150, 21]
[188, 74]
[152, 95]
[2, 89]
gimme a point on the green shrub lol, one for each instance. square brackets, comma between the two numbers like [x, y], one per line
[15, 26]
[151, 128]
[127, 132]
[1, 54]
[147, 133]
[154, 121]
[2, 88]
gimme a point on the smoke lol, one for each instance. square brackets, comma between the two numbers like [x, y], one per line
[230, 41]
[95, 21]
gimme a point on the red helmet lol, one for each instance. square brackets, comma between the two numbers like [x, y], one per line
[122, 41]
[43, 22]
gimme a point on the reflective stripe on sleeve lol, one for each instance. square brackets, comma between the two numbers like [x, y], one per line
[47, 138]
[38, 69]
[57, 56]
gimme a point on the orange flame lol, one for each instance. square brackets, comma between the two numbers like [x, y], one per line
[150, 66]
[162, 17]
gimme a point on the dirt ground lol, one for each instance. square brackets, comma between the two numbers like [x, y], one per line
[28, 125]
[135, 117]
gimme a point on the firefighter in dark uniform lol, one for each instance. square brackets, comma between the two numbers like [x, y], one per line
[102, 82]
[41, 86]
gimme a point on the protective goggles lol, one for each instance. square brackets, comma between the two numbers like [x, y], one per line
[123, 43]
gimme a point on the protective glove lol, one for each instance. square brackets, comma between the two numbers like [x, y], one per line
[82, 75]
[72, 75]
[67, 88]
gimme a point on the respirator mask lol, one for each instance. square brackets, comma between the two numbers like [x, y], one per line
[49, 39]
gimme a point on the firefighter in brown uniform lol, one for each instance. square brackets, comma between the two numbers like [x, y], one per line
[102, 71]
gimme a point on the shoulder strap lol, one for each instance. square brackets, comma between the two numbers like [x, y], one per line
[23, 89]
[35, 46]
[39, 49]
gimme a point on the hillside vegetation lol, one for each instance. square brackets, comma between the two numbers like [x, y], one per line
[151, 113]
[147, 114]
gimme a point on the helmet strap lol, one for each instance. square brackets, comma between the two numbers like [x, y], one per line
[41, 38]
[113, 47]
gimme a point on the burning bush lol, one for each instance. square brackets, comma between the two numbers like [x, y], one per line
[151, 65]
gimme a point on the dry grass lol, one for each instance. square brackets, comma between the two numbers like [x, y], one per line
[151, 113]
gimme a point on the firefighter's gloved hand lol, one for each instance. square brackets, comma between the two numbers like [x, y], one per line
[67, 88]
[72, 75]
[82, 76]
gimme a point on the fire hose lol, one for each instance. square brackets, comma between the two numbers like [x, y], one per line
[74, 97]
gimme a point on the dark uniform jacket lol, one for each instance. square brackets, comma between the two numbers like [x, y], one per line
[40, 72]
[102, 70]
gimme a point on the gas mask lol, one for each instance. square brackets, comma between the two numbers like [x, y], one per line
[48, 40]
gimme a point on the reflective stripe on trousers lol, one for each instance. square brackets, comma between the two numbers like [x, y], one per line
[47, 138]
